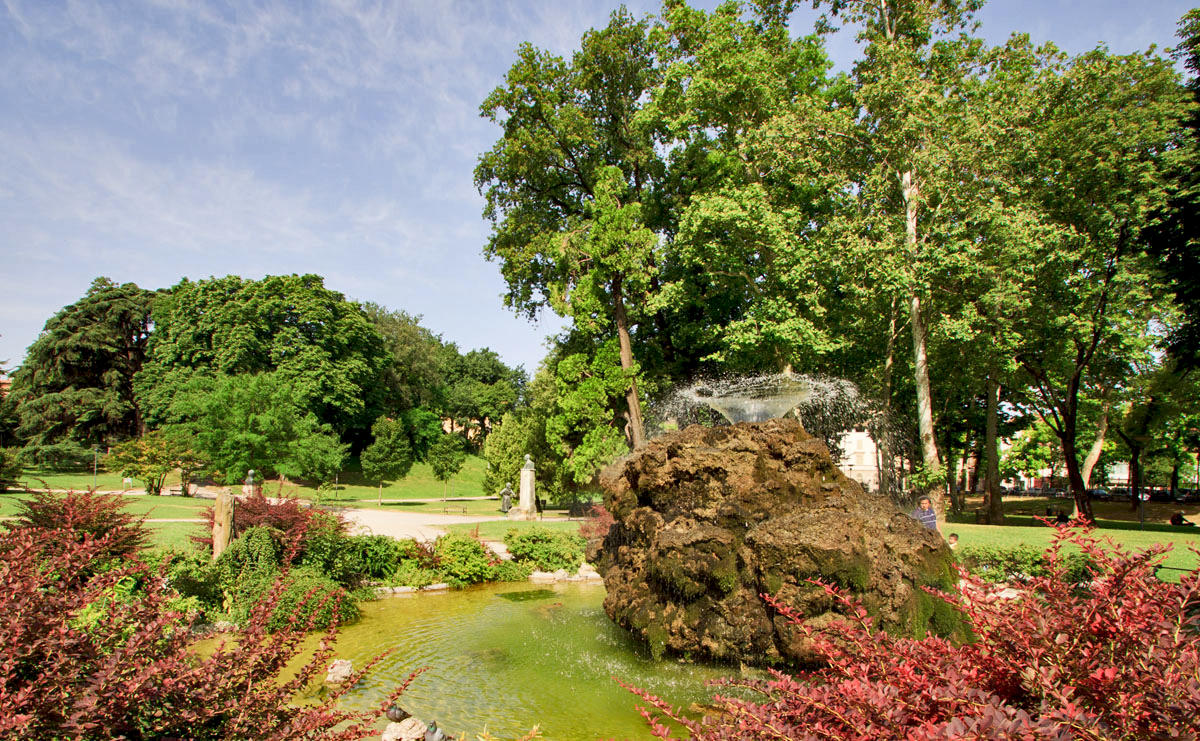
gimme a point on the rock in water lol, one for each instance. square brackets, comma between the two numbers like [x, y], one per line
[340, 672]
[710, 518]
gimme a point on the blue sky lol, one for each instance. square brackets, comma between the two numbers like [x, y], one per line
[151, 141]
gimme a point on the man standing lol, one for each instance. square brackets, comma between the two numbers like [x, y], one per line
[924, 513]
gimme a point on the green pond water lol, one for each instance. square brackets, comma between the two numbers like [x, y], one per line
[506, 657]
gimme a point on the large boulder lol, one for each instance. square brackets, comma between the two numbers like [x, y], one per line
[708, 519]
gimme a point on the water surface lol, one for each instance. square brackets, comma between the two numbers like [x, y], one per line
[505, 657]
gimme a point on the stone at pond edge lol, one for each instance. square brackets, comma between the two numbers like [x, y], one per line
[339, 671]
[708, 519]
[406, 730]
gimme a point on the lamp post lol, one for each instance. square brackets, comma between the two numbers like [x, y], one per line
[95, 460]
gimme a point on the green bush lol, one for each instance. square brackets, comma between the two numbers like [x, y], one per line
[377, 556]
[249, 559]
[545, 549]
[1020, 563]
[410, 573]
[512, 571]
[310, 595]
[195, 576]
[463, 560]
[326, 548]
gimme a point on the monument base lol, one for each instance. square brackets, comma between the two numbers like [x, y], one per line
[522, 513]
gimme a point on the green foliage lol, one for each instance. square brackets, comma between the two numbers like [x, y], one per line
[1021, 563]
[411, 573]
[389, 456]
[77, 381]
[416, 374]
[463, 560]
[251, 421]
[10, 465]
[377, 556]
[505, 449]
[512, 571]
[583, 430]
[250, 562]
[480, 387]
[546, 550]
[313, 600]
[151, 457]
[446, 456]
[325, 351]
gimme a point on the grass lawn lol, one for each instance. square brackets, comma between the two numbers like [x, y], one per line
[173, 536]
[419, 484]
[497, 530]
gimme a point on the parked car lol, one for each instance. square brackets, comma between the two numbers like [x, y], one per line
[1099, 493]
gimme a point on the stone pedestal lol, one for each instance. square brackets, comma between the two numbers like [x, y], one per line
[222, 522]
[526, 508]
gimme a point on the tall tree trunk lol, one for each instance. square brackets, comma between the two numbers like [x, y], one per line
[1083, 503]
[991, 444]
[929, 451]
[886, 457]
[1089, 463]
[636, 430]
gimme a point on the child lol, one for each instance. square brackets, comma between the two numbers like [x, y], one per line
[952, 540]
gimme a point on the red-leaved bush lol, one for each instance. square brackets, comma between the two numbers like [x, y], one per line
[290, 515]
[100, 655]
[1116, 658]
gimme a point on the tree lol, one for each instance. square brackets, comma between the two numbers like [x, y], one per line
[505, 450]
[154, 455]
[1101, 125]
[446, 458]
[416, 375]
[480, 389]
[565, 186]
[1172, 237]
[389, 456]
[323, 347]
[77, 382]
[252, 421]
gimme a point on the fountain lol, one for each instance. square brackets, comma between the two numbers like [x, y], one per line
[708, 519]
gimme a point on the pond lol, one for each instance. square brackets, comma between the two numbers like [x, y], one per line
[505, 657]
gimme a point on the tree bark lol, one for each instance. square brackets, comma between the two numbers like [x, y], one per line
[1083, 503]
[1089, 463]
[636, 429]
[995, 508]
[886, 458]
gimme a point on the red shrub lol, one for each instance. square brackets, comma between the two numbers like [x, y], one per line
[1116, 659]
[78, 515]
[103, 657]
[597, 525]
[291, 515]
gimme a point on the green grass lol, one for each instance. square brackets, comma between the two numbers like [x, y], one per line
[497, 529]
[419, 484]
[173, 536]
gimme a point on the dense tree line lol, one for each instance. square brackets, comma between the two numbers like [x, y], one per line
[981, 237]
[219, 376]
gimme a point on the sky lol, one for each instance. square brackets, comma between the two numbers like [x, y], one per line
[151, 141]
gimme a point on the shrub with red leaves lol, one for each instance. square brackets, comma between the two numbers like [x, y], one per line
[598, 523]
[87, 658]
[1118, 658]
[80, 515]
[290, 515]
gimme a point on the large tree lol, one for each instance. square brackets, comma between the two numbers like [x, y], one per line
[565, 186]
[76, 384]
[323, 347]
[1173, 238]
[1093, 169]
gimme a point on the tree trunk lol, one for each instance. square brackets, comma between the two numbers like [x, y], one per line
[886, 458]
[1093, 455]
[636, 429]
[1083, 503]
[991, 444]
[929, 451]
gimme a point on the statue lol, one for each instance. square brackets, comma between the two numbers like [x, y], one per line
[506, 498]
